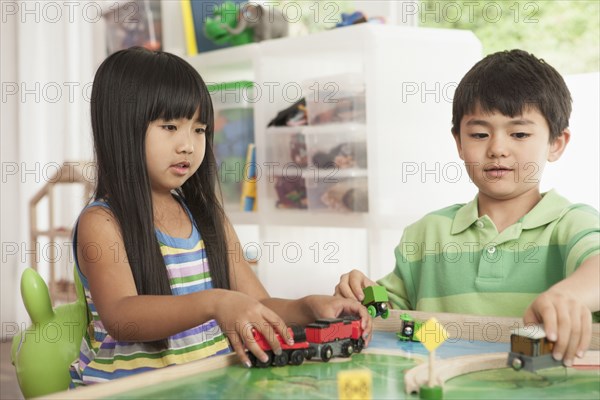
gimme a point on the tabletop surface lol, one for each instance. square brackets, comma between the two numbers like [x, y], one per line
[387, 358]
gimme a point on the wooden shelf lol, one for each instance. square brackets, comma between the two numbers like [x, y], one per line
[61, 290]
[54, 233]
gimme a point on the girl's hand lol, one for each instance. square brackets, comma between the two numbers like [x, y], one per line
[352, 284]
[567, 322]
[237, 314]
[333, 307]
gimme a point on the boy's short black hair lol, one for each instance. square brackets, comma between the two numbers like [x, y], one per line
[510, 82]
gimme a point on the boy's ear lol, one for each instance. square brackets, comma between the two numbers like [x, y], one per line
[458, 144]
[559, 145]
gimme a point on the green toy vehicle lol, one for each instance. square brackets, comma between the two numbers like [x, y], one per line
[409, 327]
[376, 300]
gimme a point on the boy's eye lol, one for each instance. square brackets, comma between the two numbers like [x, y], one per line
[521, 135]
[478, 135]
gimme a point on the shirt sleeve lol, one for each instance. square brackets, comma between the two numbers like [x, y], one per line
[394, 283]
[580, 232]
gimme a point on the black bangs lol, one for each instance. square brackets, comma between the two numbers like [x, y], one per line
[174, 89]
[507, 90]
[512, 82]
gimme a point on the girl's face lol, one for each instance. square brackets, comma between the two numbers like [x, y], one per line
[174, 151]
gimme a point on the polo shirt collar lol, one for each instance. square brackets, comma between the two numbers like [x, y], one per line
[551, 207]
[465, 216]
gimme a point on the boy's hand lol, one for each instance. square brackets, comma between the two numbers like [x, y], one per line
[334, 307]
[352, 284]
[567, 322]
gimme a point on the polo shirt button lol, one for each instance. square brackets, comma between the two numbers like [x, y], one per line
[479, 224]
[491, 250]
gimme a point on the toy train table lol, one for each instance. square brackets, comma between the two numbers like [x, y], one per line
[471, 364]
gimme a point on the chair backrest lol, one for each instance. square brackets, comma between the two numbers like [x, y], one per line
[43, 352]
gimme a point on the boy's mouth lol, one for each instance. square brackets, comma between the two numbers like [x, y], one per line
[497, 168]
[497, 171]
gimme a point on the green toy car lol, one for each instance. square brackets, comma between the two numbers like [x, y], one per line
[409, 327]
[376, 300]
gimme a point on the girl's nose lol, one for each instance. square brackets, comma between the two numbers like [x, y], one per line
[186, 144]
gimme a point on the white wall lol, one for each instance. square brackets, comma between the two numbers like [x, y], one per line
[576, 175]
[10, 188]
[49, 52]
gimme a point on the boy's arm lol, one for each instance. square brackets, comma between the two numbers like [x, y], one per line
[351, 285]
[565, 310]
[396, 291]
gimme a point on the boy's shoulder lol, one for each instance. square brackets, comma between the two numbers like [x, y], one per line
[442, 217]
[556, 208]
[579, 215]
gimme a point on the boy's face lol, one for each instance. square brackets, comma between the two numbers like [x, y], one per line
[505, 156]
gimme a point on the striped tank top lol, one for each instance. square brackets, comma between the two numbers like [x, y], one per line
[103, 358]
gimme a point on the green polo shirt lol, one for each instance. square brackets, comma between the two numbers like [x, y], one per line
[452, 260]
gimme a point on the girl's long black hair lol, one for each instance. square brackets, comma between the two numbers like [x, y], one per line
[132, 88]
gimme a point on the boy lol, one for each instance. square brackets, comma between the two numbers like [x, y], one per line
[512, 251]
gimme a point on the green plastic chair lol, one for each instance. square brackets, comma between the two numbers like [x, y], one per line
[43, 352]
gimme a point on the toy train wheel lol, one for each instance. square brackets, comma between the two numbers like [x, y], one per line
[359, 345]
[372, 311]
[252, 358]
[347, 349]
[326, 353]
[385, 314]
[310, 352]
[280, 360]
[261, 364]
[517, 363]
[297, 357]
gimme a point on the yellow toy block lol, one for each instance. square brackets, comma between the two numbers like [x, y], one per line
[355, 384]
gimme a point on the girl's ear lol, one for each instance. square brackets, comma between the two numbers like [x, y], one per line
[458, 145]
[559, 145]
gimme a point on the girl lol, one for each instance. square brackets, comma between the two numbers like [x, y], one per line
[162, 269]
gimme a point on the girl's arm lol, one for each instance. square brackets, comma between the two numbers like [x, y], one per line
[299, 312]
[128, 316]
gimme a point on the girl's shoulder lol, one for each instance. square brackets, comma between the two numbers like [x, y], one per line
[97, 209]
[95, 222]
[97, 234]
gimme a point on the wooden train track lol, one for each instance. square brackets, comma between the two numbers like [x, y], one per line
[449, 368]
[469, 327]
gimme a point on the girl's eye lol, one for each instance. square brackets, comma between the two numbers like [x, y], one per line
[200, 131]
[521, 135]
[171, 128]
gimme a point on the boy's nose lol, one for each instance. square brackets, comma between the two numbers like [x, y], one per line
[497, 148]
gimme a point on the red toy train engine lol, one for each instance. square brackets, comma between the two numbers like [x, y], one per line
[325, 338]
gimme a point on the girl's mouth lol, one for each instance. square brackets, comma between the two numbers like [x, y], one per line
[181, 168]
